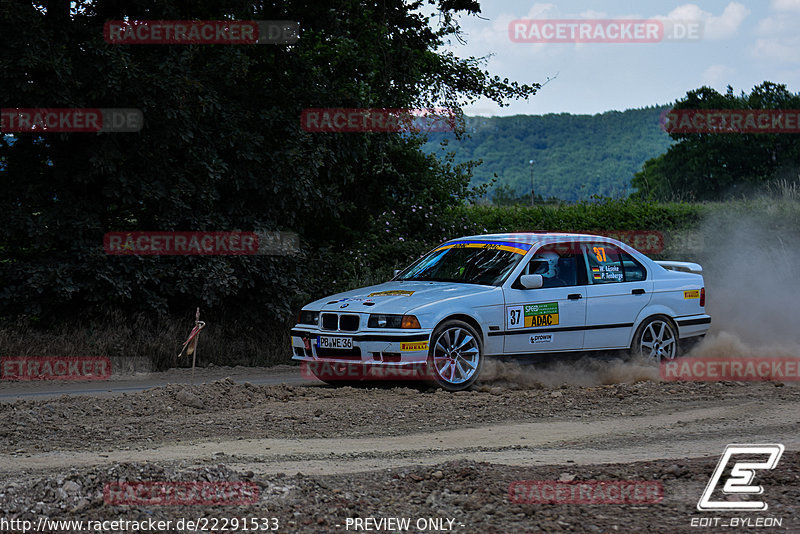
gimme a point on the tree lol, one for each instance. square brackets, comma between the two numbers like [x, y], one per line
[221, 149]
[706, 166]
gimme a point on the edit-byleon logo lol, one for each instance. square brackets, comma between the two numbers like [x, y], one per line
[739, 482]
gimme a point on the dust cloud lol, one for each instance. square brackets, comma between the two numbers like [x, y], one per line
[751, 260]
[752, 275]
[587, 371]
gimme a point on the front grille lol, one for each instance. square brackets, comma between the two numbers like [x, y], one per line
[330, 321]
[345, 323]
[342, 354]
[348, 323]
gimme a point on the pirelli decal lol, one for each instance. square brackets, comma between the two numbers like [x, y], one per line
[532, 315]
[517, 248]
[693, 294]
[422, 345]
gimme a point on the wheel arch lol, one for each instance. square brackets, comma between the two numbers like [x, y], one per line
[465, 318]
[652, 311]
[670, 318]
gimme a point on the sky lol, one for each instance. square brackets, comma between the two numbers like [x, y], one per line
[735, 43]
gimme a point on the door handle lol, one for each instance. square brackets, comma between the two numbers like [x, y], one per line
[637, 292]
[574, 296]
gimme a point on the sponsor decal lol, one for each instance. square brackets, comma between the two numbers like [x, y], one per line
[541, 338]
[422, 345]
[517, 248]
[532, 315]
[392, 293]
[693, 294]
[56, 368]
[541, 314]
[586, 492]
[739, 482]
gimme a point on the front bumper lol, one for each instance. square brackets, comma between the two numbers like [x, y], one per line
[382, 347]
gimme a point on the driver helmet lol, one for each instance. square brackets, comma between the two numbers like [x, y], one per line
[552, 263]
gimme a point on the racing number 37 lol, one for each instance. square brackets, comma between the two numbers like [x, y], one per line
[600, 254]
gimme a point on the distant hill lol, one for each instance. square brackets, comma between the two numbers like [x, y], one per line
[575, 156]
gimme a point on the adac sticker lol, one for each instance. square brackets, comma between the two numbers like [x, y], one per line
[693, 294]
[392, 293]
[532, 315]
[421, 345]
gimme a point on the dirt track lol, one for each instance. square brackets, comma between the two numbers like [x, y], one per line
[322, 455]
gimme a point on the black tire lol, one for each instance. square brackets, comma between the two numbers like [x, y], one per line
[656, 340]
[455, 356]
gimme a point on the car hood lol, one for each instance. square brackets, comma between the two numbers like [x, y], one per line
[396, 297]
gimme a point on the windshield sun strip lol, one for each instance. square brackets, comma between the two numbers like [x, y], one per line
[517, 248]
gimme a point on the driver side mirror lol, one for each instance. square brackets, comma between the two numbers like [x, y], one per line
[531, 281]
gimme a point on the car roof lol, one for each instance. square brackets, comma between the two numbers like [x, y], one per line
[526, 237]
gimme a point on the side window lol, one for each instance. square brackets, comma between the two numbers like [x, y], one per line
[634, 271]
[603, 262]
[559, 266]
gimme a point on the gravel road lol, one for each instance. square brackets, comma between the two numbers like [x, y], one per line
[323, 458]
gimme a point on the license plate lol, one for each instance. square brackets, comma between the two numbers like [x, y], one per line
[329, 342]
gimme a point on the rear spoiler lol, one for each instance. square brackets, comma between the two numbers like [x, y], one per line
[682, 266]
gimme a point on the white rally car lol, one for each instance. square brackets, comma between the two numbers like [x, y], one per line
[513, 294]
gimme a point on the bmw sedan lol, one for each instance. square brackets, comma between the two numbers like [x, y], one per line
[516, 294]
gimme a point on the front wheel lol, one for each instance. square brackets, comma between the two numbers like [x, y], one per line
[455, 356]
[656, 340]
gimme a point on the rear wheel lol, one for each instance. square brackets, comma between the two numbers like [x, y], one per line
[455, 356]
[656, 340]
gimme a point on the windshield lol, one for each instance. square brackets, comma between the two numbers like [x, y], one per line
[469, 263]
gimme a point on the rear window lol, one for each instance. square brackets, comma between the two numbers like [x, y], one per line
[608, 264]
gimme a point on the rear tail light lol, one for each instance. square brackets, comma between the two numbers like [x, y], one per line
[702, 297]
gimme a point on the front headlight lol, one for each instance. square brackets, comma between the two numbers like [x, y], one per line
[379, 320]
[308, 317]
